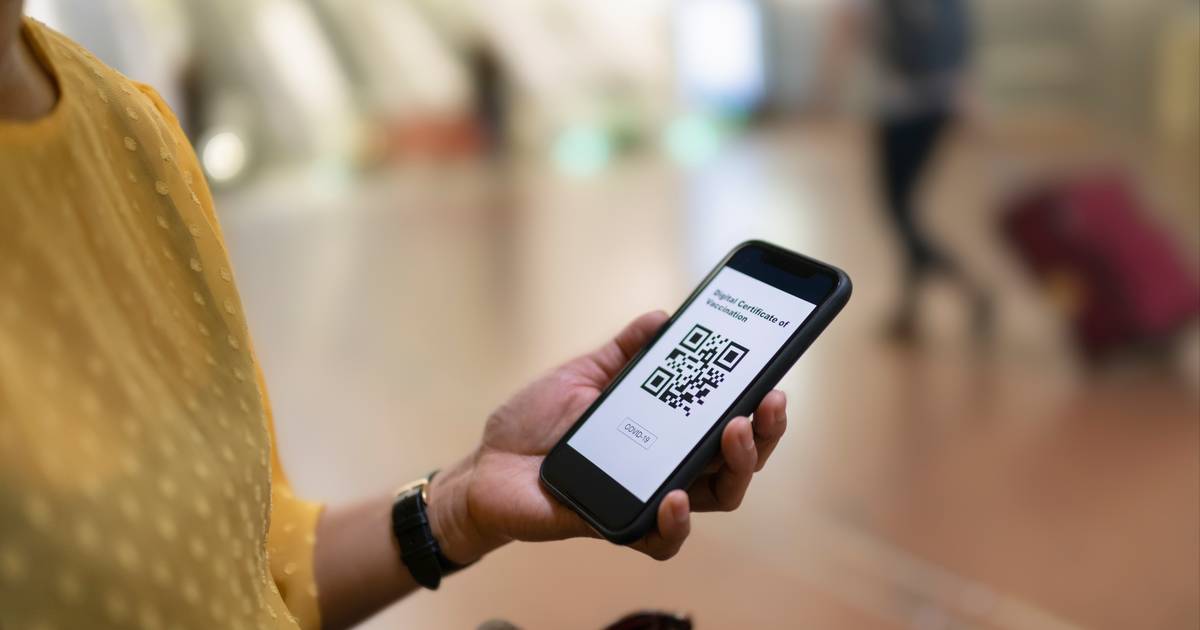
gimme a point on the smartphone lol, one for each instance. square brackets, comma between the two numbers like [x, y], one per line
[659, 422]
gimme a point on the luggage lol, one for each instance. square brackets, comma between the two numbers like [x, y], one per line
[1122, 282]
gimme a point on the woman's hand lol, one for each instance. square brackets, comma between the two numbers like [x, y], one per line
[493, 496]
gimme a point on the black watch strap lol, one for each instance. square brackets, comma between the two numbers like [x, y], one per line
[419, 550]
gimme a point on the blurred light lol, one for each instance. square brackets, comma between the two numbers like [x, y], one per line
[379, 41]
[583, 150]
[694, 139]
[223, 156]
[720, 49]
[45, 11]
[300, 55]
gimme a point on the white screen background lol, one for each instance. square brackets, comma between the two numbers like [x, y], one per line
[603, 439]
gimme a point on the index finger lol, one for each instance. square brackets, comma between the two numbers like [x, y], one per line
[769, 424]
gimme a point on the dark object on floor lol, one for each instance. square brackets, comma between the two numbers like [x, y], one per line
[652, 620]
[1118, 277]
[496, 624]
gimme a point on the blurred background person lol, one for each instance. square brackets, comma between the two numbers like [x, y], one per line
[922, 51]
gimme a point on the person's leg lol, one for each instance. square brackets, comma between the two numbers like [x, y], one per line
[907, 147]
[903, 147]
[896, 172]
[935, 259]
[920, 141]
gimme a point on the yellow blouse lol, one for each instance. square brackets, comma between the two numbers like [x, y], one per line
[138, 482]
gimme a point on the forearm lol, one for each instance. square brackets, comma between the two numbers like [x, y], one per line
[357, 564]
[358, 570]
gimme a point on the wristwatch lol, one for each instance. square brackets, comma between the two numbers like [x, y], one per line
[419, 550]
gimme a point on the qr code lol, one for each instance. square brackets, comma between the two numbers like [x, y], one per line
[694, 369]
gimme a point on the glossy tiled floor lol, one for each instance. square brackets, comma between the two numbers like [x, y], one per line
[933, 488]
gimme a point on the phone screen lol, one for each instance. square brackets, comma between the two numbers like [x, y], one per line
[688, 380]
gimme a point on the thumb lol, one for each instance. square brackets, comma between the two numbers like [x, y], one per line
[612, 356]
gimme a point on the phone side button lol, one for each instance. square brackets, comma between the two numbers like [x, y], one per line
[637, 433]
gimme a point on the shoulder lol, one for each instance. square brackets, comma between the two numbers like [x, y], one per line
[76, 69]
[118, 108]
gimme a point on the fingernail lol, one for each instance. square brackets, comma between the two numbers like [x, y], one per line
[746, 438]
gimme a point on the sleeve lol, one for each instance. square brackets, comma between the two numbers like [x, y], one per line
[291, 538]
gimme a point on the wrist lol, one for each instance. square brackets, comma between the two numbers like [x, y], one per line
[461, 537]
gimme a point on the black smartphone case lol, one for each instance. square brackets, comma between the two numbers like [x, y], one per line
[710, 445]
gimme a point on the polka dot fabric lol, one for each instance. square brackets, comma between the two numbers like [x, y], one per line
[138, 482]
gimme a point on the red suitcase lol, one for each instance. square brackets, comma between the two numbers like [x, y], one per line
[1122, 281]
